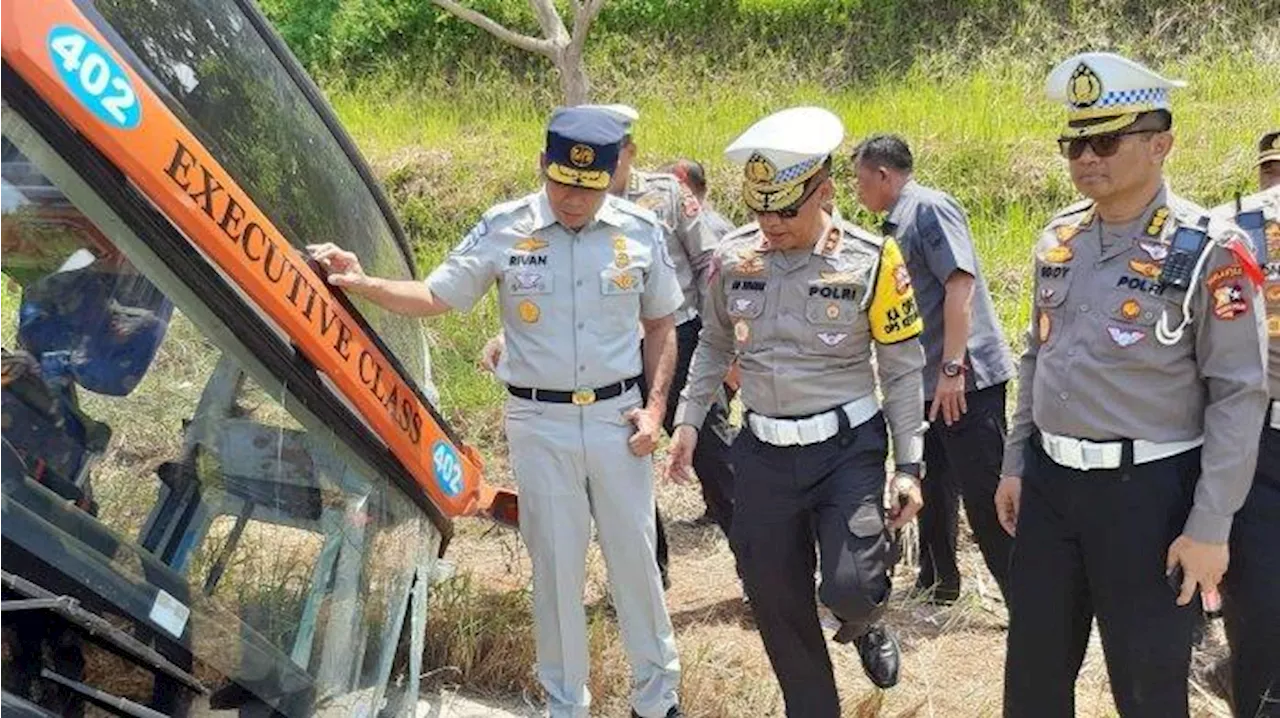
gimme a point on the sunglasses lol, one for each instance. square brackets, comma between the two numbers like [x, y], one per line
[793, 210]
[1102, 145]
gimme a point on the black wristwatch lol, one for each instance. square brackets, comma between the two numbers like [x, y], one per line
[952, 368]
[915, 470]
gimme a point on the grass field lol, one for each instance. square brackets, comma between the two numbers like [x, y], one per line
[980, 130]
[986, 136]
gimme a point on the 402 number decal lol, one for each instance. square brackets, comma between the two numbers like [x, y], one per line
[448, 468]
[96, 80]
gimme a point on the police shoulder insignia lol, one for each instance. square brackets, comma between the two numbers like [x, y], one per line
[650, 201]
[1060, 254]
[689, 204]
[1158, 220]
[1228, 291]
[893, 314]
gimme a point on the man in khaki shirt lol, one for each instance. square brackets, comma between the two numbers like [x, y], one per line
[804, 300]
[1144, 368]
[578, 272]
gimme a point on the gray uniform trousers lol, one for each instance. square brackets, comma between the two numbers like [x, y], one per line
[571, 464]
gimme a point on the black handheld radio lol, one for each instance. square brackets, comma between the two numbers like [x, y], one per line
[1253, 224]
[1184, 252]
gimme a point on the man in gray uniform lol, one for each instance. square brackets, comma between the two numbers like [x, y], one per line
[1144, 369]
[693, 175]
[967, 365]
[804, 300]
[1269, 160]
[1251, 589]
[577, 272]
[690, 243]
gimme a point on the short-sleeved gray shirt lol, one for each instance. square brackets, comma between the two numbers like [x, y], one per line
[933, 233]
[571, 302]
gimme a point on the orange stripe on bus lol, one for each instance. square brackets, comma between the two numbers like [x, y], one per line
[198, 195]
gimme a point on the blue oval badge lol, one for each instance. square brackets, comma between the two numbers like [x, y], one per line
[94, 78]
[447, 467]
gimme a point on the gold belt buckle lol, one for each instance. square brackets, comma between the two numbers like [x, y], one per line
[583, 397]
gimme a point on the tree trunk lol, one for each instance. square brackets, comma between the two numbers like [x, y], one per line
[575, 86]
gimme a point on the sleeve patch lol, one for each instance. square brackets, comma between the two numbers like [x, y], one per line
[1229, 292]
[893, 313]
[688, 203]
[473, 237]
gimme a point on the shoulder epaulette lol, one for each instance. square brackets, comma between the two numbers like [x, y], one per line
[852, 230]
[740, 232]
[635, 210]
[1073, 210]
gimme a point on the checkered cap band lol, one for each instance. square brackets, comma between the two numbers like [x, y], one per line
[796, 171]
[1156, 97]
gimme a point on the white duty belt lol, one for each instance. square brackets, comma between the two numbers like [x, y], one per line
[814, 429]
[1085, 455]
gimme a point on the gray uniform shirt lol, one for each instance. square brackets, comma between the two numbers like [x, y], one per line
[1093, 368]
[805, 324]
[570, 301]
[1268, 251]
[716, 222]
[689, 241]
[933, 233]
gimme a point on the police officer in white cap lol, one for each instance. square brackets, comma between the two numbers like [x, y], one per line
[1269, 160]
[1251, 589]
[577, 272]
[804, 300]
[1140, 392]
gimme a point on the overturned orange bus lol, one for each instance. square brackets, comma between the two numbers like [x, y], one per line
[224, 485]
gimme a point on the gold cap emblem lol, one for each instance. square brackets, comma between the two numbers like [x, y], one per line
[1085, 87]
[582, 155]
[759, 169]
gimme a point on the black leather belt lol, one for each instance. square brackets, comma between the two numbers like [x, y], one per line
[579, 397]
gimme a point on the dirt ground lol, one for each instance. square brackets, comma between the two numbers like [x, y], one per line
[952, 657]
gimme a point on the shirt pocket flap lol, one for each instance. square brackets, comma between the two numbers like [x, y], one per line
[745, 306]
[621, 281]
[521, 282]
[1050, 296]
[1135, 308]
[830, 311]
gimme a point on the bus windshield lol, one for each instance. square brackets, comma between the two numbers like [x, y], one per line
[218, 74]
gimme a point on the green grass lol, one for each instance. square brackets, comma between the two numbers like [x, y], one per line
[983, 132]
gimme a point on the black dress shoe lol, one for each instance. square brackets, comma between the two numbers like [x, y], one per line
[675, 712]
[878, 650]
